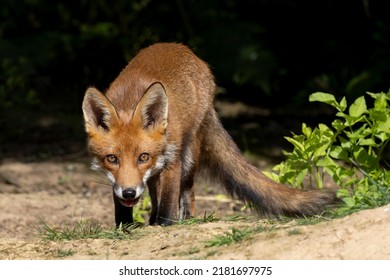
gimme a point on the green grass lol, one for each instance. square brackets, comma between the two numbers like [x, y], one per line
[83, 229]
[64, 253]
[210, 218]
[207, 218]
[237, 235]
[311, 220]
[234, 236]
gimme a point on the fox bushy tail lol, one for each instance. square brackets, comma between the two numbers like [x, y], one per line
[225, 163]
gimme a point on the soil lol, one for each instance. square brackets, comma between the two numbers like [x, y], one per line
[62, 193]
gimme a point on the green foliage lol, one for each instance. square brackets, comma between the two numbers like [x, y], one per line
[350, 151]
[141, 210]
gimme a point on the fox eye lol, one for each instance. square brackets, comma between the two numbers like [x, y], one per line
[112, 159]
[144, 157]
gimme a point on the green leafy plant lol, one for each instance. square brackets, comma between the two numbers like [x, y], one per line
[350, 151]
[141, 210]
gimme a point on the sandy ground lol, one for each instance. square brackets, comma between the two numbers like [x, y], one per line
[62, 193]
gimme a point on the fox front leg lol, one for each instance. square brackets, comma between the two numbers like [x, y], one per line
[165, 196]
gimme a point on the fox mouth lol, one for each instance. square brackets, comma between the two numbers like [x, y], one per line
[129, 202]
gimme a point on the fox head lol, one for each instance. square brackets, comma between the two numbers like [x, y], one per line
[130, 146]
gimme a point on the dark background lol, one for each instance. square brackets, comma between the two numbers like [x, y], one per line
[267, 53]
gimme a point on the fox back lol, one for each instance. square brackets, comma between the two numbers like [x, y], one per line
[156, 128]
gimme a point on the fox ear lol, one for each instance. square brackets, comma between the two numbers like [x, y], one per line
[98, 111]
[153, 108]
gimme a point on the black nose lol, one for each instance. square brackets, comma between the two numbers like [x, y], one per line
[129, 193]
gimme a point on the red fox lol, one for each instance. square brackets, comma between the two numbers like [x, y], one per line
[156, 127]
